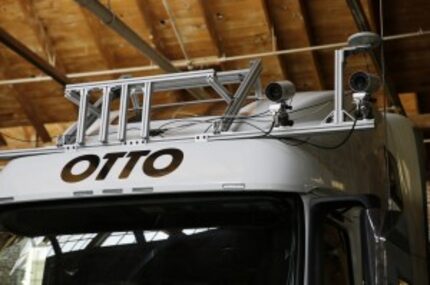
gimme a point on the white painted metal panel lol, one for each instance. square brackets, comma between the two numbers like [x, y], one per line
[223, 166]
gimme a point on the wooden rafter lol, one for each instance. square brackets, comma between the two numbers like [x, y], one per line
[3, 142]
[248, 33]
[421, 121]
[410, 103]
[209, 20]
[296, 27]
[177, 32]
[302, 4]
[123, 30]
[373, 14]
[148, 19]
[155, 40]
[39, 62]
[22, 50]
[112, 21]
[32, 115]
[41, 33]
[28, 109]
[96, 28]
[274, 32]
[210, 24]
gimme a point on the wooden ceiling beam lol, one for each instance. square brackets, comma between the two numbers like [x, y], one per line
[96, 28]
[373, 14]
[410, 103]
[304, 11]
[32, 115]
[22, 50]
[294, 29]
[174, 26]
[24, 102]
[41, 33]
[421, 121]
[3, 142]
[210, 24]
[116, 24]
[209, 20]
[155, 39]
[274, 32]
[123, 30]
[149, 20]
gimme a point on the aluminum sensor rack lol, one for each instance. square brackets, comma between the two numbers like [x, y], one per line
[129, 90]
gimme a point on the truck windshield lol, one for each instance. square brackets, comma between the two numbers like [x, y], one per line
[215, 241]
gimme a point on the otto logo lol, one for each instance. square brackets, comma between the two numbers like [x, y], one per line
[149, 168]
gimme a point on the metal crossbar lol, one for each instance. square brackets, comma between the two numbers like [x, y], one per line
[144, 88]
[250, 80]
[130, 88]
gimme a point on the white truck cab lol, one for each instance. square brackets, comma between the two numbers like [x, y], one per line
[306, 188]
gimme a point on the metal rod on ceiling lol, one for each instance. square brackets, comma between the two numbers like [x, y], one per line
[116, 24]
[175, 29]
[213, 60]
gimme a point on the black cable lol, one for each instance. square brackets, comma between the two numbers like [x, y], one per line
[195, 121]
[160, 128]
[300, 142]
[314, 105]
[246, 117]
[265, 133]
[208, 128]
[272, 126]
[331, 147]
[262, 114]
[309, 107]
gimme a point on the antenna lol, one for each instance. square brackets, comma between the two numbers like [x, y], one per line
[361, 42]
[367, 40]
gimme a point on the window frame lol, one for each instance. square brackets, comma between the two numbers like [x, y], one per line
[345, 239]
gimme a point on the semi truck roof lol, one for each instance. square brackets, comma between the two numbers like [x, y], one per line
[248, 148]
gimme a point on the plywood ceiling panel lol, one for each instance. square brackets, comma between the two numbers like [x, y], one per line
[73, 40]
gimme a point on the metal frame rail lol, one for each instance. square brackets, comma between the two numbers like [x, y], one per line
[130, 88]
[146, 86]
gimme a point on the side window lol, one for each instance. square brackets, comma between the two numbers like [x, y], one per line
[395, 199]
[336, 255]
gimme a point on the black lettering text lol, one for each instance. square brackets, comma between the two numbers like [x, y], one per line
[133, 159]
[68, 176]
[111, 159]
[150, 170]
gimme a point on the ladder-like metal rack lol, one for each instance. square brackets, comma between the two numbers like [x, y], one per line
[146, 86]
[129, 89]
